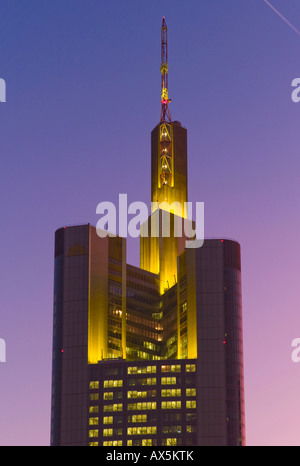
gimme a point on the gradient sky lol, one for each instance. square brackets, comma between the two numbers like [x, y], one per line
[83, 94]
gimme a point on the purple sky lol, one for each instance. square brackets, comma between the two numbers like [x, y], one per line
[83, 94]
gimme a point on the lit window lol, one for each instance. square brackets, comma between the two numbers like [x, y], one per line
[136, 394]
[190, 368]
[151, 381]
[112, 383]
[190, 429]
[151, 369]
[93, 444]
[108, 395]
[172, 368]
[93, 433]
[94, 396]
[168, 380]
[114, 407]
[93, 421]
[141, 370]
[169, 441]
[118, 407]
[113, 443]
[171, 404]
[171, 392]
[94, 384]
[94, 409]
[190, 392]
[107, 432]
[147, 442]
[142, 430]
[190, 404]
[137, 418]
[141, 406]
[108, 419]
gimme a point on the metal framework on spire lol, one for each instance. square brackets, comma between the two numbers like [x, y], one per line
[166, 158]
[165, 112]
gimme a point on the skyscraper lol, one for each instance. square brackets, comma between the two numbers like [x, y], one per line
[149, 355]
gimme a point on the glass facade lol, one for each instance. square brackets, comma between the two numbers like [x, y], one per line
[146, 390]
[156, 410]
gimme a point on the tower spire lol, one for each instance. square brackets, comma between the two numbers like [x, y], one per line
[165, 112]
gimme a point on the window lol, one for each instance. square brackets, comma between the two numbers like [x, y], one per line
[190, 392]
[148, 381]
[171, 429]
[113, 443]
[172, 368]
[171, 392]
[94, 409]
[190, 368]
[140, 394]
[146, 442]
[107, 432]
[151, 381]
[169, 441]
[118, 407]
[141, 406]
[114, 407]
[137, 418]
[136, 394]
[190, 429]
[112, 383]
[190, 404]
[108, 395]
[171, 404]
[141, 370]
[94, 384]
[146, 430]
[94, 396]
[108, 419]
[93, 433]
[168, 380]
[191, 417]
[93, 421]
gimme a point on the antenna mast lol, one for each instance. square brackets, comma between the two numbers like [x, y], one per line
[165, 113]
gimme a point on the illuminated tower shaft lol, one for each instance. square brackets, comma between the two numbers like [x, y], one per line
[159, 253]
[169, 167]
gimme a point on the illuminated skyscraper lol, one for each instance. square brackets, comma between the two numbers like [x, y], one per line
[149, 356]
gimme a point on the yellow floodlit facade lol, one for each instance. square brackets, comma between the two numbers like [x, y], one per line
[159, 249]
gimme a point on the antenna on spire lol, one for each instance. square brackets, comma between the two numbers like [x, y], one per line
[165, 113]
